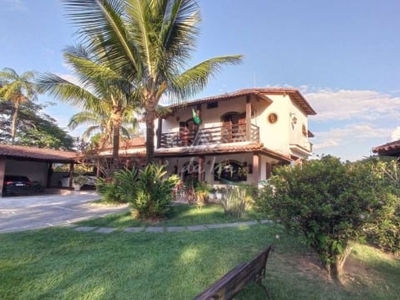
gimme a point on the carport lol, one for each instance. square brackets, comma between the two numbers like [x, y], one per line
[36, 163]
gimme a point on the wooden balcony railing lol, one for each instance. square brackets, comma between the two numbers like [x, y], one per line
[207, 136]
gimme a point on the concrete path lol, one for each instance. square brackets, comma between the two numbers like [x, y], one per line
[161, 229]
[34, 212]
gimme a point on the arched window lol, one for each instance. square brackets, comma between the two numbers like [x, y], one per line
[230, 170]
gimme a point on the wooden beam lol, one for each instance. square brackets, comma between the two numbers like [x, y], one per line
[248, 118]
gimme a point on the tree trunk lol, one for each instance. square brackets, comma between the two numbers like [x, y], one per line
[335, 270]
[14, 122]
[149, 139]
[116, 117]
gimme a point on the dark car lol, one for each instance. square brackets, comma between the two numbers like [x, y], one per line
[16, 185]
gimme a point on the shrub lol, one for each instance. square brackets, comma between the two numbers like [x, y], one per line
[234, 202]
[108, 188]
[202, 189]
[383, 231]
[80, 180]
[148, 190]
[326, 201]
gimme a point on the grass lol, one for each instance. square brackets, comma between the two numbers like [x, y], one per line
[60, 263]
[182, 215]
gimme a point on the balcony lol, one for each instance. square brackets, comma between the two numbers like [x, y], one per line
[233, 133]
[305, 148]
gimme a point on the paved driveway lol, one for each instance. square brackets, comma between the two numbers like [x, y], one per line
[34, 212]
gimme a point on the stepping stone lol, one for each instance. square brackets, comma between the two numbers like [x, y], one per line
[223, 225]
[196, 228]
[265, 221]
[175, 229]
[248, 223]
[218, 225]
[84, 228]
[105, 230]
[154, 229]
[133, 229]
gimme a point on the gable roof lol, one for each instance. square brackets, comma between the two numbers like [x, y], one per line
[391, 149]
[31, 153]
[259, 93]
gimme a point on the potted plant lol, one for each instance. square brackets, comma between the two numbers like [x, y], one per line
[78, 182]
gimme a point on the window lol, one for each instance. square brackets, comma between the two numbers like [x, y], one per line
[272, 118]
[230, 171]
[211, 105]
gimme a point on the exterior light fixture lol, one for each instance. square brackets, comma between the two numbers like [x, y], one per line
[293, 118]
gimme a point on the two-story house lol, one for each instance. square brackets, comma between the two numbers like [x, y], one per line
[235, 137]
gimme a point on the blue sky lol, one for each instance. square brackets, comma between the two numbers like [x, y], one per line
[344, 56]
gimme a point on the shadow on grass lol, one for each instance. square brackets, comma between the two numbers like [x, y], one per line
[64, 264]
[61, 263]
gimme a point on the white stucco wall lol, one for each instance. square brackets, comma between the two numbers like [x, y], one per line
[210, 117]
[277, 136]
[296, 134]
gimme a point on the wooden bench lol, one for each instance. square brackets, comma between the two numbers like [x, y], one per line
[229, 285]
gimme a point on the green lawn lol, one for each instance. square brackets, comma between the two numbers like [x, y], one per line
[60, 263]
[182, 215]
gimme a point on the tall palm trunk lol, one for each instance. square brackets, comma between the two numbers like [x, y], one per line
[14, 122]
[150, 118]
[116, 119]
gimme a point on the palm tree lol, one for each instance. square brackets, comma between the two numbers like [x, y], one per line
[100, 91]
[149, 42]
[100, 123]
[17, 89]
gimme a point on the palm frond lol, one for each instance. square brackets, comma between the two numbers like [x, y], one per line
[66, 90]
[105, 18]
[195, 79]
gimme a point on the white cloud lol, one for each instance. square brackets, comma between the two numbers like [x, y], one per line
[346, 135]
[395, 134]
[350, 122]
[353, 104]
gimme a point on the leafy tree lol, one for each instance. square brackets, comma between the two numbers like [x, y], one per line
[34, 127]
[103, 94]
[328, 202]
[17, 89]
[150, 43]
[384, 230]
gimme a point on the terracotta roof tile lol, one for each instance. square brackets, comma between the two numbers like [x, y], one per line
[37, 153]
[388, 148]
[259, 92]
[220, 149]
[136, 142]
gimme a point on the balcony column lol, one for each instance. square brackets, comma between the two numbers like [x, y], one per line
[200, 174]
[159, 132]
[71, 174]
[256, 168]
[248, 118]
